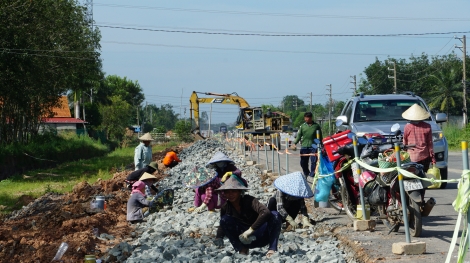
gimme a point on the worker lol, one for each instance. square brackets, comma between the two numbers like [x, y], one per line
[137, 201]
[224, 166]
[143, 152]
[307, 133]
[204, 182]
[288, 199]
[245, 221]
[136, 175]
[149, 181]
[171, 159]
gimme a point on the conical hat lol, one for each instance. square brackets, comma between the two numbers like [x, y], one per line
[294, 184]
[415, 113]
[146, 137]
[233, 183]
[198, 177]
[219, 157]
[147, 176]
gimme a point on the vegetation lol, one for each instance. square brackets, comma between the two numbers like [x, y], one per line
[455, 135]
[62, 178]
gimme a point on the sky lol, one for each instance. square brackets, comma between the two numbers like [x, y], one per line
[264, 65]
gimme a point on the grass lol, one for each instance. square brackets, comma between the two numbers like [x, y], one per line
[61, 179]
[455, 136]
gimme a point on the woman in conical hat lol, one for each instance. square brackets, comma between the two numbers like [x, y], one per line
[288, 199]
[245, 221]
[204, 182]
[419, 133]
[224, 166]
[143, 152]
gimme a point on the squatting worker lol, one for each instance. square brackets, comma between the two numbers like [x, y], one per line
[306, 134]
[288, 200]
[171, 159]
[245, 221]
[136, 202]
[136, 175]
[419, 133]
[143, 152]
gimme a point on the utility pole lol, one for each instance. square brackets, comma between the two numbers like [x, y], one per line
[181, 103]
[310, 101]
[354, 82]
[394, 77]
[329, 109]
[464, 80]
[295, 105]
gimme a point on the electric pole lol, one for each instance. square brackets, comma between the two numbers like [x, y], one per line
[354, 82]
[310, 101]
[394, 77]
[464, 80]
[329, 109]
[295, 105]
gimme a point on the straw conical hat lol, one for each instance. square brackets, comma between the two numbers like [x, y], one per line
[415, 113]
[147, 176]
[146, 137]
[233, 183]
[219, 157]
[294, 184]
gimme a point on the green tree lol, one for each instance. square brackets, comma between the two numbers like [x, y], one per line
[446, 90]
[114, 117]
[183, 130]
[291, 103]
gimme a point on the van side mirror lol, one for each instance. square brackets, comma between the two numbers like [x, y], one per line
[441, 117]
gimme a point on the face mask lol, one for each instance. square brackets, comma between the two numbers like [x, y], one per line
[221, 164]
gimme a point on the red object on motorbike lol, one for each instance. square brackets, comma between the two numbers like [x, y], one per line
[366, 176]
[332, 143]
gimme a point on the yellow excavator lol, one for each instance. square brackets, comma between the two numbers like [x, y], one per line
[250, 120]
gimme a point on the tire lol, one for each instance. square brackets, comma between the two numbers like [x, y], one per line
[347, 203]
[335, 198]
[414, 219]
[444, 176]
[387, 222]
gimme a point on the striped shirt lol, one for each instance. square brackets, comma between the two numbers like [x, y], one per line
[281, 199]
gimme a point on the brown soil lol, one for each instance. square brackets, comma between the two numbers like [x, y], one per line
[37, 231]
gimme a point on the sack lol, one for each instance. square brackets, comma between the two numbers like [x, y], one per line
[323, 187]
[388, 158]
[435, 173]
[378, 196]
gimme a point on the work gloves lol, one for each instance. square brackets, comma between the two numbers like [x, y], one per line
[306, 222]
[201, 208]
[226, 176]
[219, 242]
[245, 237]
[291, 222]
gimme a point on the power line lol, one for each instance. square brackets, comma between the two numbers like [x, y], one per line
[43, 55]
[284, 35]
[253, 50]
[442, 19]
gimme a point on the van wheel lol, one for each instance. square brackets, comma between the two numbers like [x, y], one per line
[443, 177]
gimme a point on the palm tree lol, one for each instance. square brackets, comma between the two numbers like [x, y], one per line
[447, 87]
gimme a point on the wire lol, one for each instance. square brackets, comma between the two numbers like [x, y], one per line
[253, 50]
[42, 55]
[284, 35]
[443, 19]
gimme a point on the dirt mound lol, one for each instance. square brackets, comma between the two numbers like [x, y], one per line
[34, 233]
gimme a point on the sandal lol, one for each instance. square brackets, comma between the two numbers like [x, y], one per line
[270, 253]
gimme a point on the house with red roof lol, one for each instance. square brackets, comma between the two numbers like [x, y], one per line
[62, 119]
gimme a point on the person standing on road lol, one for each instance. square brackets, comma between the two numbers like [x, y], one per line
[245, 221]
[288, 199]
[171, 159]
[143, 152]
[419, 133]
[306, 134]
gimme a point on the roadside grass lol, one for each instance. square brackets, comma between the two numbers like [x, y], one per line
[61, 179]
[455, 136]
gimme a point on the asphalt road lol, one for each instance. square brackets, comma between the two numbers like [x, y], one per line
[438, 227]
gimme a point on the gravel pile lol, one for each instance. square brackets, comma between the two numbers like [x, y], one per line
[178, 236]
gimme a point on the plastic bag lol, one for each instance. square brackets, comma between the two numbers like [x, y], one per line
[378, 196]
[435, 173]
[323, 187]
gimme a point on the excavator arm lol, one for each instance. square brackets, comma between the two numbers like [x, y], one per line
[218, 98]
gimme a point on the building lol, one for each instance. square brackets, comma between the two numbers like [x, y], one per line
[62, 120]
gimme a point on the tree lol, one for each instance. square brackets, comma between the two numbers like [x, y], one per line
[183, 130]
[291, 103]
[446, 89]
[114, 116]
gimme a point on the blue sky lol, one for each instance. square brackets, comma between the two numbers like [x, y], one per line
[168, 70]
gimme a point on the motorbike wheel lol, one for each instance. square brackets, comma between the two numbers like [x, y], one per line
[387, 222]
[414, 219]
[335, 200]
[347, 203]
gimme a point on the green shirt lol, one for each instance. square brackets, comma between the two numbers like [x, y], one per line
[307, 133]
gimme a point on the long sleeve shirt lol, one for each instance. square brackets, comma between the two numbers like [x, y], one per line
[420, 134]
[142, 156]
[307, 133]
[252, 213]
[170, 157]
[135, 176]
[283, 200]
[209, 189]
[134, 207]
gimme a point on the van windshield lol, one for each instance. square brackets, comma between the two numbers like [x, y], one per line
[383, 110]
